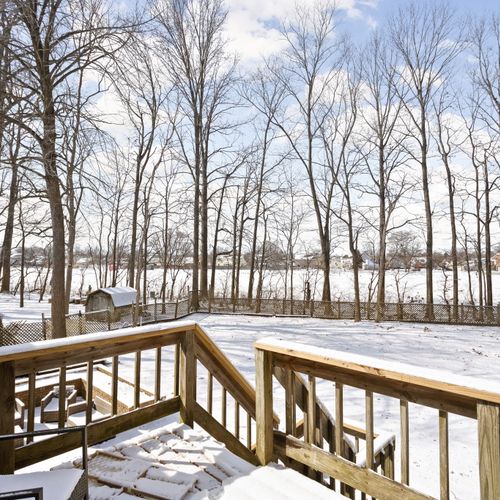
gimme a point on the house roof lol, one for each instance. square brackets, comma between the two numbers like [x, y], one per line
[120, 295]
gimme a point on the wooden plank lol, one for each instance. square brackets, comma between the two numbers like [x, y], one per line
[177, 356]
[405, 441]
[369, 429]
[444, 469]
[52, 348]
[224, 407]
[264, 406]
[311, 411]
[411, 381]
[249, 431]
[488, 420]
[31, 404]
[96, 432]
[440, 400]
[290, 407]
[339, 418]
[90, 391]
[388, 461]
[215, 429]
[62, 397]
[237, 419]
[137, 380]
[157, 391]
[114, 386]
[7, 395]
[210, 393]
[45, 360]
[187, 378]
[360, 478]
[225, 372]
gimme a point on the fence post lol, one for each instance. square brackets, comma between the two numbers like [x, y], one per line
[189, 303]
[155, 315]
[311, 308]
[498, 314]
[264, 405]
[488, 423]
[284, 306]
[80, 323]
[399, 309]
[187, 375]
[134, 314]
[177, 307]
[44, 327]
[209, 303]
[462, 312]
[108, 317]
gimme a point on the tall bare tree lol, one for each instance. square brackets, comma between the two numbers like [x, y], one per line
[426, 37]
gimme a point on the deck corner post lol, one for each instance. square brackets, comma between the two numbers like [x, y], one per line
[488, 424]
[7, 395]
[187, 377]
[264, 405]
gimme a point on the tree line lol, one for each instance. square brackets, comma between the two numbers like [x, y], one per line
[138, 135]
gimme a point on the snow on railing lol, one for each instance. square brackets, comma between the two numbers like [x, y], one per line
[447, 393]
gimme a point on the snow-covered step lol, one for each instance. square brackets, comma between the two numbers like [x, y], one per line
[273, 482]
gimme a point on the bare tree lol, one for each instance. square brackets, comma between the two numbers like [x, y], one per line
[425, 36]
[193, 49]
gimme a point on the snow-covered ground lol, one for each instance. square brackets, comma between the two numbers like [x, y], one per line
[460, 350]
[31, 312]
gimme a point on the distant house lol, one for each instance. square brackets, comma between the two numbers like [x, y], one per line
[495, 262]
[115, 299]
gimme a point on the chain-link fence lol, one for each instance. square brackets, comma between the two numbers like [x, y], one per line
[21, 332]
[463, 314]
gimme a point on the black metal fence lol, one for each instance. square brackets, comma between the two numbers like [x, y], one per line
[21, 332]
[464, 314]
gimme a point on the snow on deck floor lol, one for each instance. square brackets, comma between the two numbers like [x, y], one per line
[176, 462]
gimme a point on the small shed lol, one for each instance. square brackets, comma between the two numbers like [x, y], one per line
[117, 299]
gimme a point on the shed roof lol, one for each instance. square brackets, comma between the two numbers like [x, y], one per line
[120, 295]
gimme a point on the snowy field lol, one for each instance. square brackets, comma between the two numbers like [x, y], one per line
[460, 350]
[410, 284]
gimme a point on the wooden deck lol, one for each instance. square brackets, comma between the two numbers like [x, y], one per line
[353, 460]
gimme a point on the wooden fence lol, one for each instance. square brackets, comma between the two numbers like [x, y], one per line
[327, 459]
[464, 314]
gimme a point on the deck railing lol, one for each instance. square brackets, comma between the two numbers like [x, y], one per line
[176, 359]
[459, 396]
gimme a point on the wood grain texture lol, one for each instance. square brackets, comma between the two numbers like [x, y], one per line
[360, 478]
[264, 406]
[488, 420]
[7, 388]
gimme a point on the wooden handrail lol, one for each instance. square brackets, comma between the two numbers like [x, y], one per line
[223, 369]
[192, 345]
[466, 387]
[448, 393]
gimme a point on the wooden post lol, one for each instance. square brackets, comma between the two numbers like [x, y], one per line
[80, 323]
[177, 307]
[187, 375]
[264, 405]
[444, 468]
[7, 395]
[31, 404]
[108, 317]
[405, 442]
[488, 424]
[498, 314]
[155, 314]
